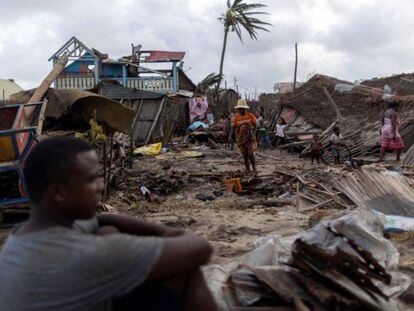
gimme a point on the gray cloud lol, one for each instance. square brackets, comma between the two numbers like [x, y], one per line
[348, 39]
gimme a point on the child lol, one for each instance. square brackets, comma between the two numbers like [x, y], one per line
[50, 264]
[280, 132]
[264, 135]
[226, 123]
[316, 148]
[336, 142]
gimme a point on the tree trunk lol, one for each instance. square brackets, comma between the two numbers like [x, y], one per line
[223, 53]
[44, 86]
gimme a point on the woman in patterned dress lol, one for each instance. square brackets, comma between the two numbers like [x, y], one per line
[390, 137]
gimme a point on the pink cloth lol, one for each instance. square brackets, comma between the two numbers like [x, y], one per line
[198, 107]
[387, 136]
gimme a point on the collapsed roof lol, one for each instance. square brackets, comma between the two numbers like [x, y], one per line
[82, 105]
[359, 102]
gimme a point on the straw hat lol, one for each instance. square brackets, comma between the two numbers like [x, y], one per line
[242, 103]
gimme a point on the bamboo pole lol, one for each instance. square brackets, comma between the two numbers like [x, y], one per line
[338, 112]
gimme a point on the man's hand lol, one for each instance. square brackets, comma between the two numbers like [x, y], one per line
[172, 232]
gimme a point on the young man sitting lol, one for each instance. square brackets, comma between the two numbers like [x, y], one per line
[106, 262]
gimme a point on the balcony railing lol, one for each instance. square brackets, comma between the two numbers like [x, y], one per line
[155, 84]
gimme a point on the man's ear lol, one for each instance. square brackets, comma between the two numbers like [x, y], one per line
[56, 192]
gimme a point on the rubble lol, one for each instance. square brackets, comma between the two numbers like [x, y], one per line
[360, 108]
[342, 263]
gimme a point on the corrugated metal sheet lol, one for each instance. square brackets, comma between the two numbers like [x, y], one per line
[114, 91]
[163, 56]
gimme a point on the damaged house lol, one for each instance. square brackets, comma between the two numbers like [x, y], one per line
[356, 109]
[151, 82]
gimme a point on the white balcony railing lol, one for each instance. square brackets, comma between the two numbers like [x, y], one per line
[156, 84]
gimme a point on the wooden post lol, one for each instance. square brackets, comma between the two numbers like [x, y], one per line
[111, 141]
[338, 112]
[296, 66]
[41, 118]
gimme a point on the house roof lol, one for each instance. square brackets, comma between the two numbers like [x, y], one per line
[75, 49]
[361, 103]
[163, 56]
[9, 87]
[113, 90]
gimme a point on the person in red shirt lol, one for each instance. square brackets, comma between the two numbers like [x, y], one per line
[244, 124]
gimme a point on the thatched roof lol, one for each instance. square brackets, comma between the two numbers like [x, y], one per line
[361, 104]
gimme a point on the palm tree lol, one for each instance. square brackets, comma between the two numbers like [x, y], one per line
[240, 15]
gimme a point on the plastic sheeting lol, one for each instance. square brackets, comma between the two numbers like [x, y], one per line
[342, 263]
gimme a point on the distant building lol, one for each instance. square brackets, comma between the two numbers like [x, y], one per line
[7, 88]
[156, 71]
[285, 87]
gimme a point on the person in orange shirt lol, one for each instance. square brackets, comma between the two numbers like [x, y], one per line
[245, 126]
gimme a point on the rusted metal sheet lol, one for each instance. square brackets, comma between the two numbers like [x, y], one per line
[163, 56]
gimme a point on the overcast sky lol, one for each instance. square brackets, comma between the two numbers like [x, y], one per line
[348, 39]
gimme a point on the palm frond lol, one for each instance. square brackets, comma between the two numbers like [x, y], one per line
[241, 15]
[209, 81]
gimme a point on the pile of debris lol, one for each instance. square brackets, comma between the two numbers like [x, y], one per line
[324, 102]
[341, 263]
[401, 84]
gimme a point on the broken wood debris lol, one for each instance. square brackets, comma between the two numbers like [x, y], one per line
[342, 263]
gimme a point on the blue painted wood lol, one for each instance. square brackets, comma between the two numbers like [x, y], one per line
[175, 77]
[112, 71]
[124, 75]
[96, 70]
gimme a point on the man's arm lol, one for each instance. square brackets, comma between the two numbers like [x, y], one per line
[181, 254]
[131, 225]
[182, 251]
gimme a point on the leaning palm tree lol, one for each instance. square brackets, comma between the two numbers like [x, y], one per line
[240, 15]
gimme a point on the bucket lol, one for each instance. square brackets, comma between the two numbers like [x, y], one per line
[234, 185]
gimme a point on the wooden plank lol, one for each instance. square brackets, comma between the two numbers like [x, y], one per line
[41, 118]
[154, 123]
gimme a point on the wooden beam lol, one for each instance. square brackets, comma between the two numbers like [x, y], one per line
[44, 86]
[338, 112]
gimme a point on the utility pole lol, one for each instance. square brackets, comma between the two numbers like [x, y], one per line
[255, 92]
[236, 87]
[296, 66]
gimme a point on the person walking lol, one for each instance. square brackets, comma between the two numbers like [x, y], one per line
[390, 136]
[245, 125]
